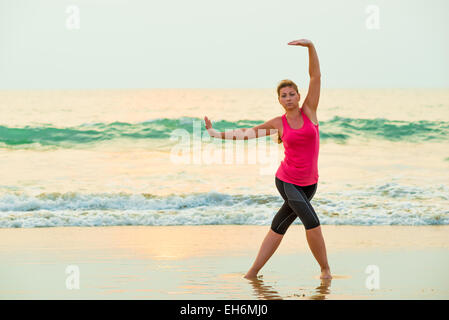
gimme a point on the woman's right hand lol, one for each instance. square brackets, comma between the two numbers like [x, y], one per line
[212, 132]
[208, 123]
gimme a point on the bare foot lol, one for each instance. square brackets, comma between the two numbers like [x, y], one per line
[326, 274]
[250, 275]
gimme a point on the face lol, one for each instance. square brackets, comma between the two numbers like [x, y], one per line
[289, 98]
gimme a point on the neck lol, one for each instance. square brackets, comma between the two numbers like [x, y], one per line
[293, 113]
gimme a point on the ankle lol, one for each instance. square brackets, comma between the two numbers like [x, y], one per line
[250, 275]
[253, 271]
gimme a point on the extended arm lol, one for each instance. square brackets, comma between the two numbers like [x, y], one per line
[314, 63]
[261, 130]
[313, 94]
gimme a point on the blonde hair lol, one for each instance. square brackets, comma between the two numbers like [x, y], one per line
[285, 83]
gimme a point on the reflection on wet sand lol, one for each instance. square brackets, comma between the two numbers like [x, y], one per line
[263, 291]
[322, 290]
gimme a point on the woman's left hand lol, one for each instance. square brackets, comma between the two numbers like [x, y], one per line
[300, 42]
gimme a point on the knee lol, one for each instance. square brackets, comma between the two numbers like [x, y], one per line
[313, 227]
[307, 216]
[277, 230]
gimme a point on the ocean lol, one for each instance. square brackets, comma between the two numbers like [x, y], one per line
[143, 157]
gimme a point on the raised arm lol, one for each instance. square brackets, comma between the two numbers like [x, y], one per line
[313, 94]
[261, 130]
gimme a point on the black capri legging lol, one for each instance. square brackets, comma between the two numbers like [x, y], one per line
[296, 204]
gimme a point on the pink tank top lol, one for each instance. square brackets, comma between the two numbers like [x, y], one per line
[300, 164]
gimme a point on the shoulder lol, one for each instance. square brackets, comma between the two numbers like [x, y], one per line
[310, 113]
[273, 123]
[277, 122]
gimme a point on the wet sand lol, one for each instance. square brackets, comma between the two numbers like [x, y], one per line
[209, 262]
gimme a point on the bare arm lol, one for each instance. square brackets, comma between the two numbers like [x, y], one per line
[261, 130]
[314, 63]
[313, 94]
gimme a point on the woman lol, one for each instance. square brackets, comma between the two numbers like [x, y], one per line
[297, 176]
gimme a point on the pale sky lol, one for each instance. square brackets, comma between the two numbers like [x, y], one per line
[222, 43]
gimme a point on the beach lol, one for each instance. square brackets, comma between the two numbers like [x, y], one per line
[209, 262]
[121, 194]
[129, 167]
